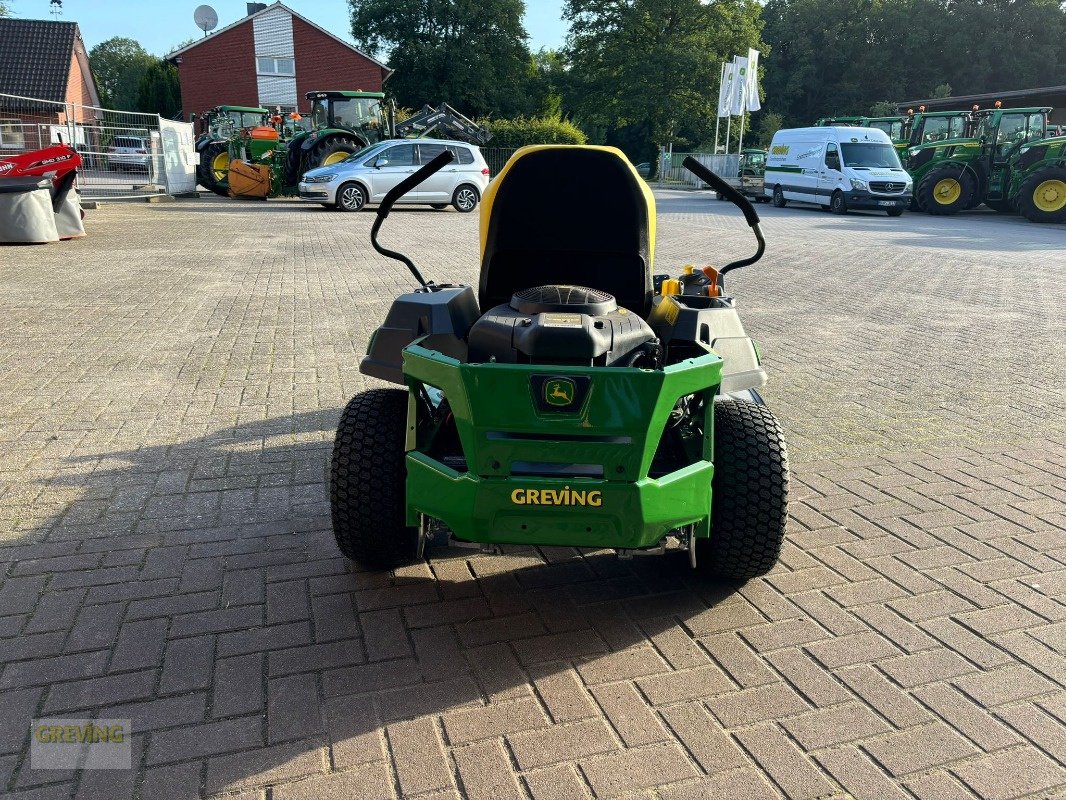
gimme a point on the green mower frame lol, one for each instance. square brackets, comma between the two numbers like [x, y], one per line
[600, 415]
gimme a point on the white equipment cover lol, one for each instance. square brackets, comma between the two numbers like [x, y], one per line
[26, 215]
[69, 223]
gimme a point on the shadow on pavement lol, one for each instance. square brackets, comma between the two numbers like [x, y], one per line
[214, 611]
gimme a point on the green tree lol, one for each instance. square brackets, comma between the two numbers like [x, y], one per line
[118, 65]
[159, 91]
[469, 53]
[645, 72]
[833, 57]
[4, 10]
[769, 124]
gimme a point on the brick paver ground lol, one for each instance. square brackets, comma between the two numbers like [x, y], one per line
[168, 391]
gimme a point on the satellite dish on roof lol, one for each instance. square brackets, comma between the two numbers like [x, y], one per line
[205, 18]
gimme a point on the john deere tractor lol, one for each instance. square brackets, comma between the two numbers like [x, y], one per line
[341, 123]
[1037, 180]
[955, 174]
[217, 127]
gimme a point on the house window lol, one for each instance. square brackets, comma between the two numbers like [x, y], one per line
[270, 65]
[12, 135]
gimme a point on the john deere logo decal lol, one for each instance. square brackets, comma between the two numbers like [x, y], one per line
[559, 392]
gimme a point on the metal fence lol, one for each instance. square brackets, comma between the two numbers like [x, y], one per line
[673, 174]
[124, 154]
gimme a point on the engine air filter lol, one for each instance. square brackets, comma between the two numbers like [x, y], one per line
[572, 299]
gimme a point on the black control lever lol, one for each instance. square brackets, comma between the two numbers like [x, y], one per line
[737, 199]
[398, 191]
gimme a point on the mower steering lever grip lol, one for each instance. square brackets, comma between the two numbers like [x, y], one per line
[723, 188]
[407, 184]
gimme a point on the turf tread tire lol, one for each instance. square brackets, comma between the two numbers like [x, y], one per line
[368, 481]
[750, 492]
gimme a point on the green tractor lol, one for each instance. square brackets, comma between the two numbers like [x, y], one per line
[217, 127]
[751, 169]
[341, 123]
[955, 174]
[1037, 185]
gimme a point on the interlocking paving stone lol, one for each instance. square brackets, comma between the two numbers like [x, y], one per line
[170, 394]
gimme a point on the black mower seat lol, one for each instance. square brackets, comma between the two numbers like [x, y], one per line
[561, 214]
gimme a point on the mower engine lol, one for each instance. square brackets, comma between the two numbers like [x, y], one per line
[563, 325]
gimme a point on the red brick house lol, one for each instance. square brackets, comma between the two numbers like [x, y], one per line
[272, 57]
[47, 61]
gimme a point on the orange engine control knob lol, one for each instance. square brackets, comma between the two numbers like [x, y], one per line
[712, 275]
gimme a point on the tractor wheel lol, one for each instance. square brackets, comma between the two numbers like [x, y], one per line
[465, 198]
[329, 151]
[1043, 196]
[838, 205]
[216, 168]
[779, 200]
[1001, 206]
[947, 190]
[750, 493]
[368, 481]
[914, 203]
[351, 197]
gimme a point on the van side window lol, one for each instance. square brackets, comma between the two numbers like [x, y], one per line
[465, 156]
[832, 157]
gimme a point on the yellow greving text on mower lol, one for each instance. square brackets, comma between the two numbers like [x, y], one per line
[557, 497]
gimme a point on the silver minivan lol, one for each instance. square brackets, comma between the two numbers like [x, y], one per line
[367, 176]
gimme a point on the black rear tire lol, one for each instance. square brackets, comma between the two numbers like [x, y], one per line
[216, 181]
[318, 154]
[750, 493]
[947, 190]
[367, 487]
[838, 205]
[1048, 186]
[779, 200]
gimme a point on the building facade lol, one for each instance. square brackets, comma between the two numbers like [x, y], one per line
[44, 71]
[271, 58]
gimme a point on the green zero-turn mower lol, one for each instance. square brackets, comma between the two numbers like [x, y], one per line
[575, 399]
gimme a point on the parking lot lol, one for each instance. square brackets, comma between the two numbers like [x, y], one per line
[169, 388]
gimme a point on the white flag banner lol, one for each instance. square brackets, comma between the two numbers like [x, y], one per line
[725, 90]
[740, 85]
[753, 80]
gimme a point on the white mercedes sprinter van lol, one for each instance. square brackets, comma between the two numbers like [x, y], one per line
[837, 168]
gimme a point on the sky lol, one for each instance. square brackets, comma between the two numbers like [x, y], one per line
[161, 24]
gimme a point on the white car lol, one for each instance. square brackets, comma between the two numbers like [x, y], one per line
[367, 176]
[128, 152]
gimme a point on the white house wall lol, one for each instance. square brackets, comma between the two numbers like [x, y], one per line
[273, 37]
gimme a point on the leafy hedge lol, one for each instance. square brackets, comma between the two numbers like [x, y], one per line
[521, 131]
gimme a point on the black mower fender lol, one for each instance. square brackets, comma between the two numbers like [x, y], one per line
[713, 325]
[441, 318]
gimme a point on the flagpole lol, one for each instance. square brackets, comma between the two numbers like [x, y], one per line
[728, 124]
[740, 142]
[718, 111]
